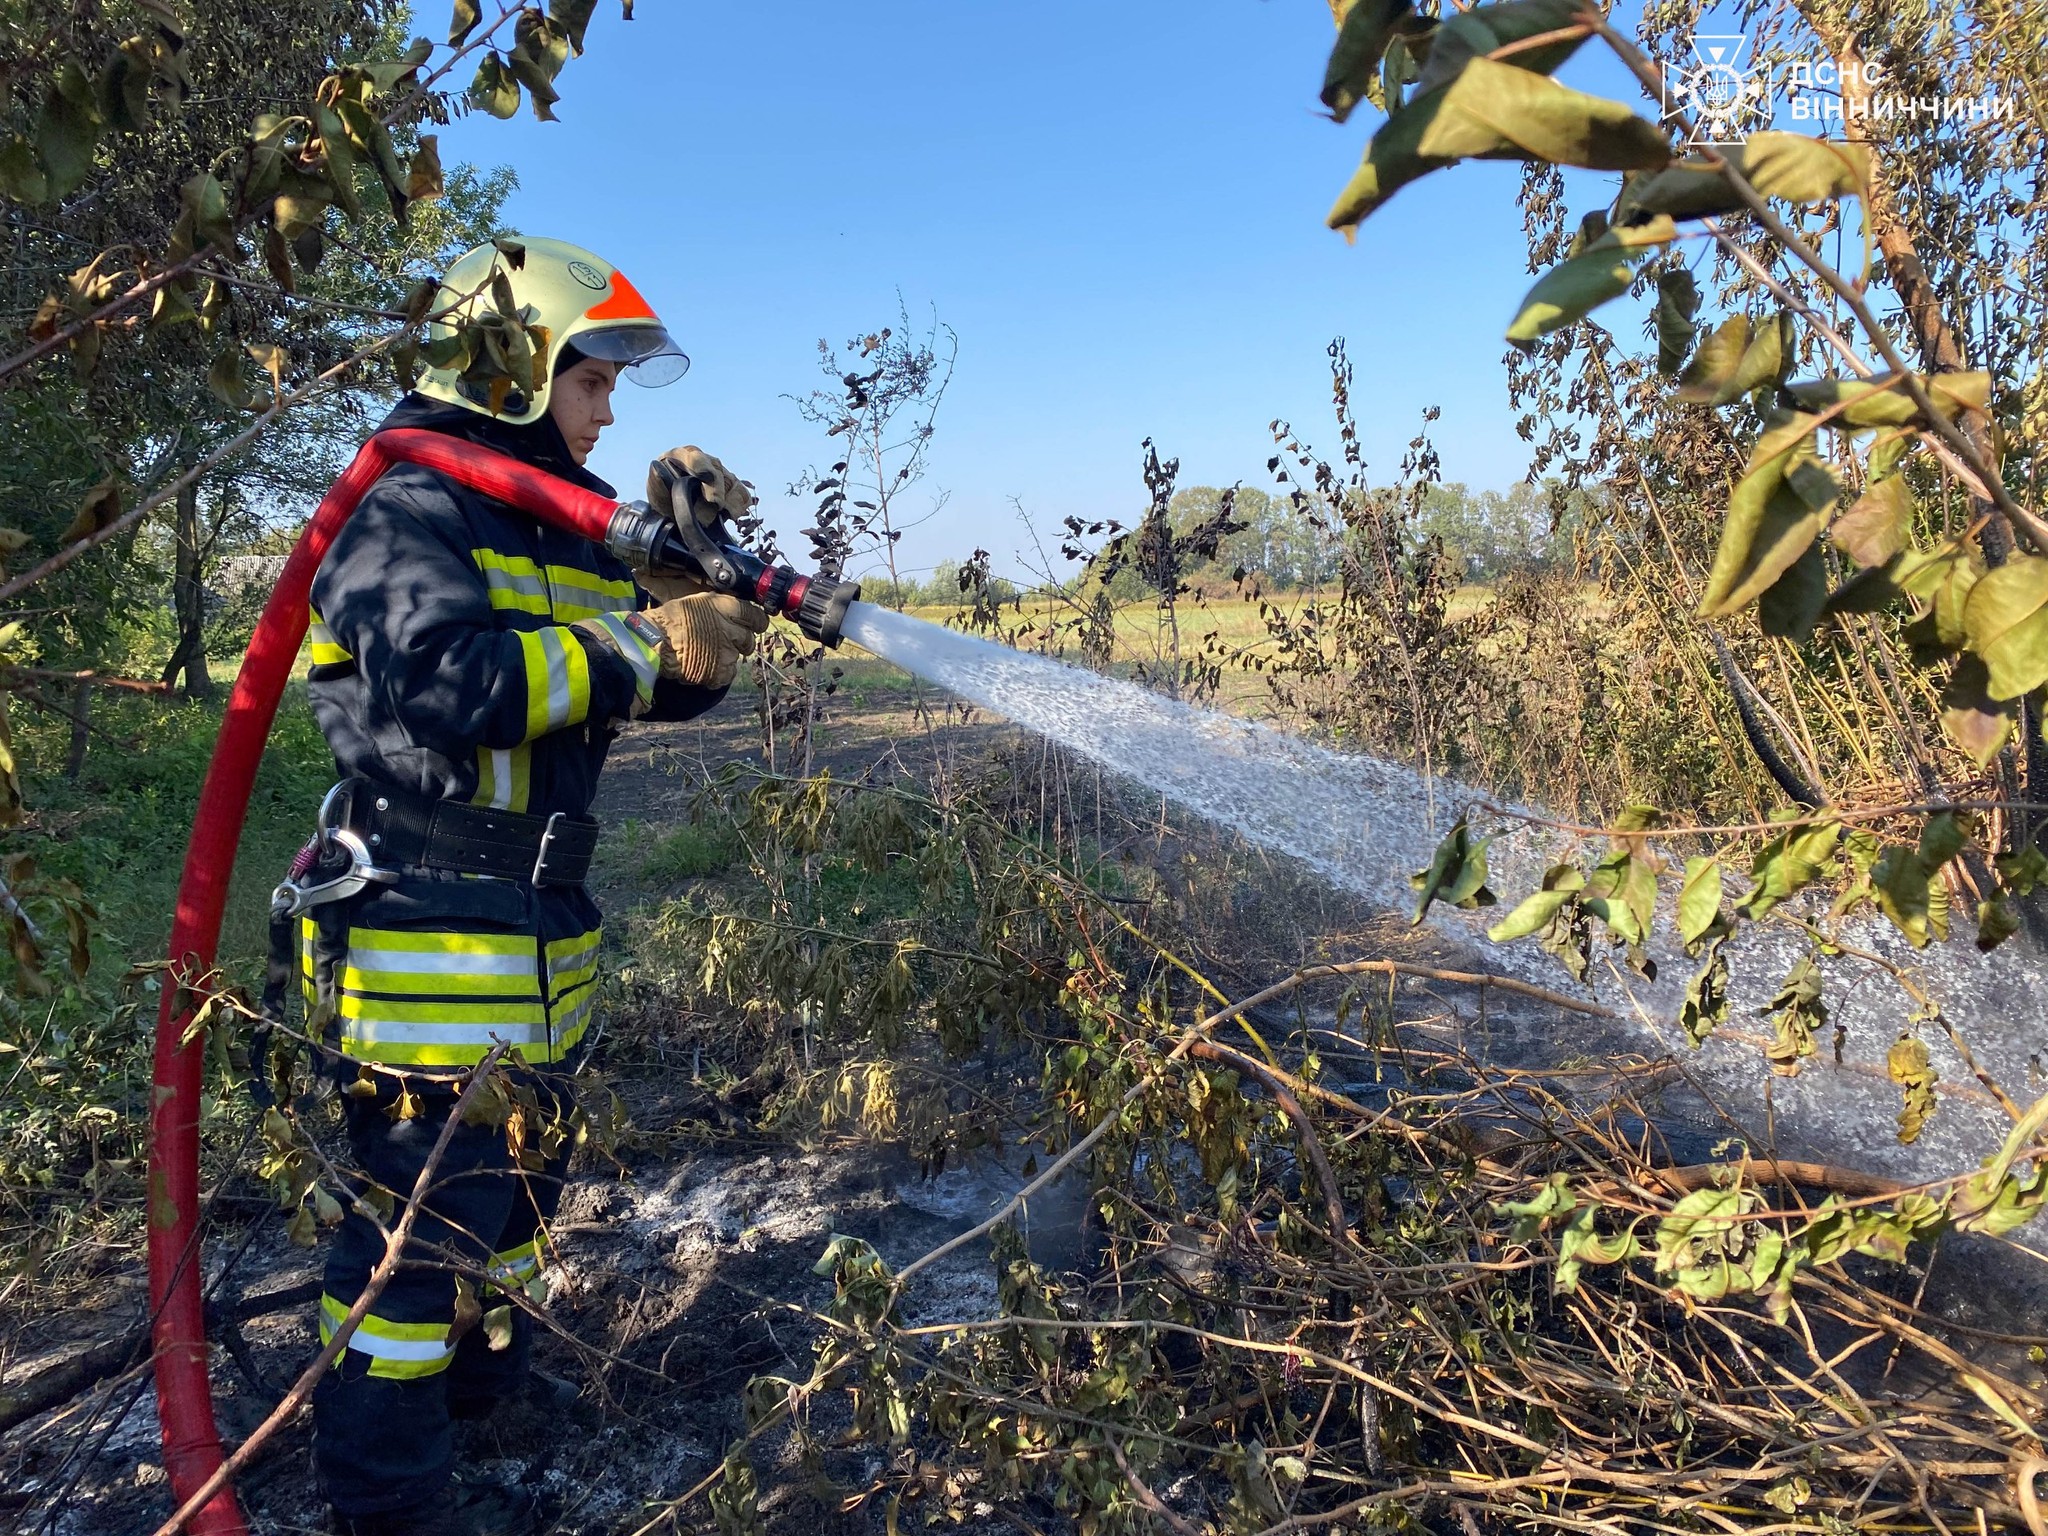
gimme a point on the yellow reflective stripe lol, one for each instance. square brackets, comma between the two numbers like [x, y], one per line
[570, 1025]
[439, 1056]
[581, 595]
[354, 979]
[576, 955]
[514, 582]
[503, 776]
[520, 1264]
[403, 1351]
[326, 649]
[562, 983]
[448, 1017]
[430, 943]
[557, 680]
[306, 984]
[456, 965]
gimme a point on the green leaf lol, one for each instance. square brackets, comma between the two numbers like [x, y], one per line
[1686, 189]
[1993, 1200]
[1570, 291]
[423, 179]
[1976, 722]
[1739, 357]
[1698, 1226]
[1469, 36]
[341, 159]
[1456, 874]
[1706, 378]
[1532, 916]
[466, 15]
[1562, 881]
[1774, 514]
[1499, 111]
[2025, 871]
[1996, 922]
[124, 87]
[1580, 1244]
[1792, 605]
[1802, 169]
[1539, 117]
[1870, 403]
[21, 176]
[493, 90]
[1787, 864]
[206, 204]
[1797, 1011]
[1678, 301]
[1905, 882]
[1943, 579]
[1622, 893]
[1362, 36]
[224, 378]
[572, 18]
[67, 131]
[2005, 619]
[1531, 1216]
[1699, 903]
[497, 1326]
[1706, 998]
[1875, 527]
[368, 134]
[1908, 1066]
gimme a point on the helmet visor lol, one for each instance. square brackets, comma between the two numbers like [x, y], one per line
[646, 354]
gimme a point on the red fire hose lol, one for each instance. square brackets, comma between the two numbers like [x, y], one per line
[192, 1449]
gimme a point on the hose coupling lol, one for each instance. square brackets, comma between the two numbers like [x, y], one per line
[823, 609]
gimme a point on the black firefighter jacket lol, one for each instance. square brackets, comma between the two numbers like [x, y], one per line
[444, 664]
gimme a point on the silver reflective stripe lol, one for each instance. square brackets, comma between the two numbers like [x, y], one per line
[558, 677]
[418, 962]
[385, 1032]
[501, 778]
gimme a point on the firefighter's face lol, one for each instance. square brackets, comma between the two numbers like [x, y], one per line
[581, 403]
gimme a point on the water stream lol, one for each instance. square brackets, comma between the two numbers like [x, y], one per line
[1365, 825]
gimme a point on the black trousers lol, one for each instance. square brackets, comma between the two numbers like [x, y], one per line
[381, 1415]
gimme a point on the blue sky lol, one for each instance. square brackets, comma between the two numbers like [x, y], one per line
[1116, 205]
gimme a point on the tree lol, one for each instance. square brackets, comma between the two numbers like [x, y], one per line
[1856, 512]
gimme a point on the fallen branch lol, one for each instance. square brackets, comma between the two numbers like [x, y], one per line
[96, 679]
[1782, 1173]
[1195, 1032]
[55, 1385]
[1280, 1084]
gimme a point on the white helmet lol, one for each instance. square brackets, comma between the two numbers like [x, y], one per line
[576, 298]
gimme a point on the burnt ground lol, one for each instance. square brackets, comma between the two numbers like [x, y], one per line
[688, 1269]
[685, 1270]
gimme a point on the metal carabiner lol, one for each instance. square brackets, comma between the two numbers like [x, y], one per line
[291, 897]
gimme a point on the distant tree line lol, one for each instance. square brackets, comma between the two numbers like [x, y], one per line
[1485, 533]
[942, 588]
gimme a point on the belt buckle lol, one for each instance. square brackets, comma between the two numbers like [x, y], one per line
[540, 859]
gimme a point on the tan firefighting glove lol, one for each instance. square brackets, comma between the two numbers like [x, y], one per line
[720, 494]
[707, 634]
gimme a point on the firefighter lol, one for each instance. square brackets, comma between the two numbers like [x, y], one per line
[471, 667]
